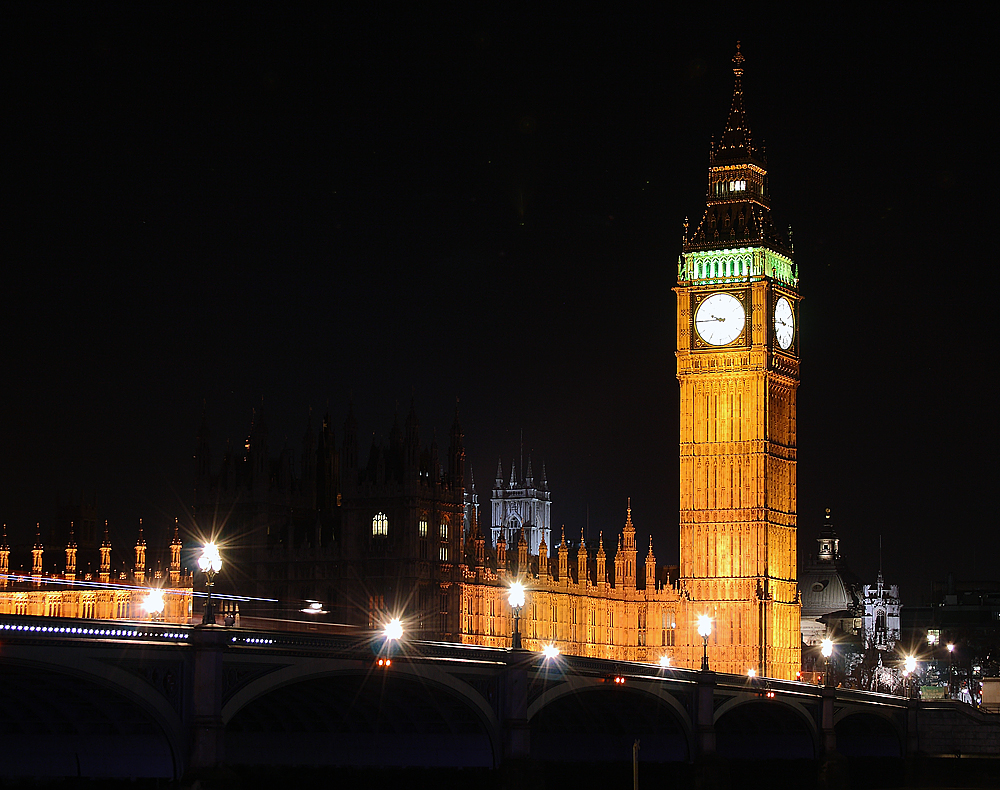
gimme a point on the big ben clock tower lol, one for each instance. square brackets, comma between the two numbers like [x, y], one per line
[738, 368]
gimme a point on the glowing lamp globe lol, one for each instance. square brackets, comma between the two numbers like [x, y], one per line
[210, 559]
[154, 602]
[516, 596]
[393, 629]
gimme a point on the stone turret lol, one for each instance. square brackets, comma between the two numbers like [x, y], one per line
[105, 571]
[71, 554]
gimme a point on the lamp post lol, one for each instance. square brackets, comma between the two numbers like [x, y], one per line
[826, 648]
[516, 600]
[951, 669]
[704, 629]
[210, 563]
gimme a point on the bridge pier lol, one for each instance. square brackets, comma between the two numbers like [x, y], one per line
[704, 714]
[829, 734]
[912, 742]
[207, 734]
[514, 712]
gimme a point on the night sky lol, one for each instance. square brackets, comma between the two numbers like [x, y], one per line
[245, 209]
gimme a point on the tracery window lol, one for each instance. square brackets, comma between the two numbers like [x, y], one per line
[380, 526]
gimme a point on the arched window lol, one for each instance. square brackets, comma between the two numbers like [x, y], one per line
[380, 526]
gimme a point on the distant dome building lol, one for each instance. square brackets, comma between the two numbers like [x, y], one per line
[830, 604]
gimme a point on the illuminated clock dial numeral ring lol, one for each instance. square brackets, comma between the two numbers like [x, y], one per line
[784, 323]
[720, 319]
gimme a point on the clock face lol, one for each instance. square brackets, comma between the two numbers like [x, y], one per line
[784, 323]
[720, 319]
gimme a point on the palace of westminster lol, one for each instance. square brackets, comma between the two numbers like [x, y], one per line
[356, 541]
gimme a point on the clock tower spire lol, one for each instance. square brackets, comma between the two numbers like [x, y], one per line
[738, 371]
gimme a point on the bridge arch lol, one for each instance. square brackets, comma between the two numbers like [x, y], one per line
[588, 719]
[869, 733]
[748, 727]
[347, 713]
[63, 713]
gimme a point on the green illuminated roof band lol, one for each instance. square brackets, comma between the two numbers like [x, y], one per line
[735, 265]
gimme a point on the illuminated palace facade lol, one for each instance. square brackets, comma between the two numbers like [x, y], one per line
[738, 369]
[576, 600]
[396, 533]
[101, 596]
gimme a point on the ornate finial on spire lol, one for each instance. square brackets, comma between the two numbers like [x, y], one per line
[738, 61]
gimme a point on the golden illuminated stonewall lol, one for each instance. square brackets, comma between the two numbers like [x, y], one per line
[80, 595]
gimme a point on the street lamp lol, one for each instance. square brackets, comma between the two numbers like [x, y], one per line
[951, 669]
[664, 661]
[516, 600]
[704, 629]
[550, 651]
[154, 604]
[210, 563]
[826, 648]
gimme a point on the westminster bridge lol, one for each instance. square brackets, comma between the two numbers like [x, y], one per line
[93, 698]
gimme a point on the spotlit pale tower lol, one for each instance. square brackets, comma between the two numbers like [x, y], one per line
[738, 369]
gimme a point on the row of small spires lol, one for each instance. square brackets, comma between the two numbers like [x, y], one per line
[105, 548]
[626, 543]
[529, 478]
